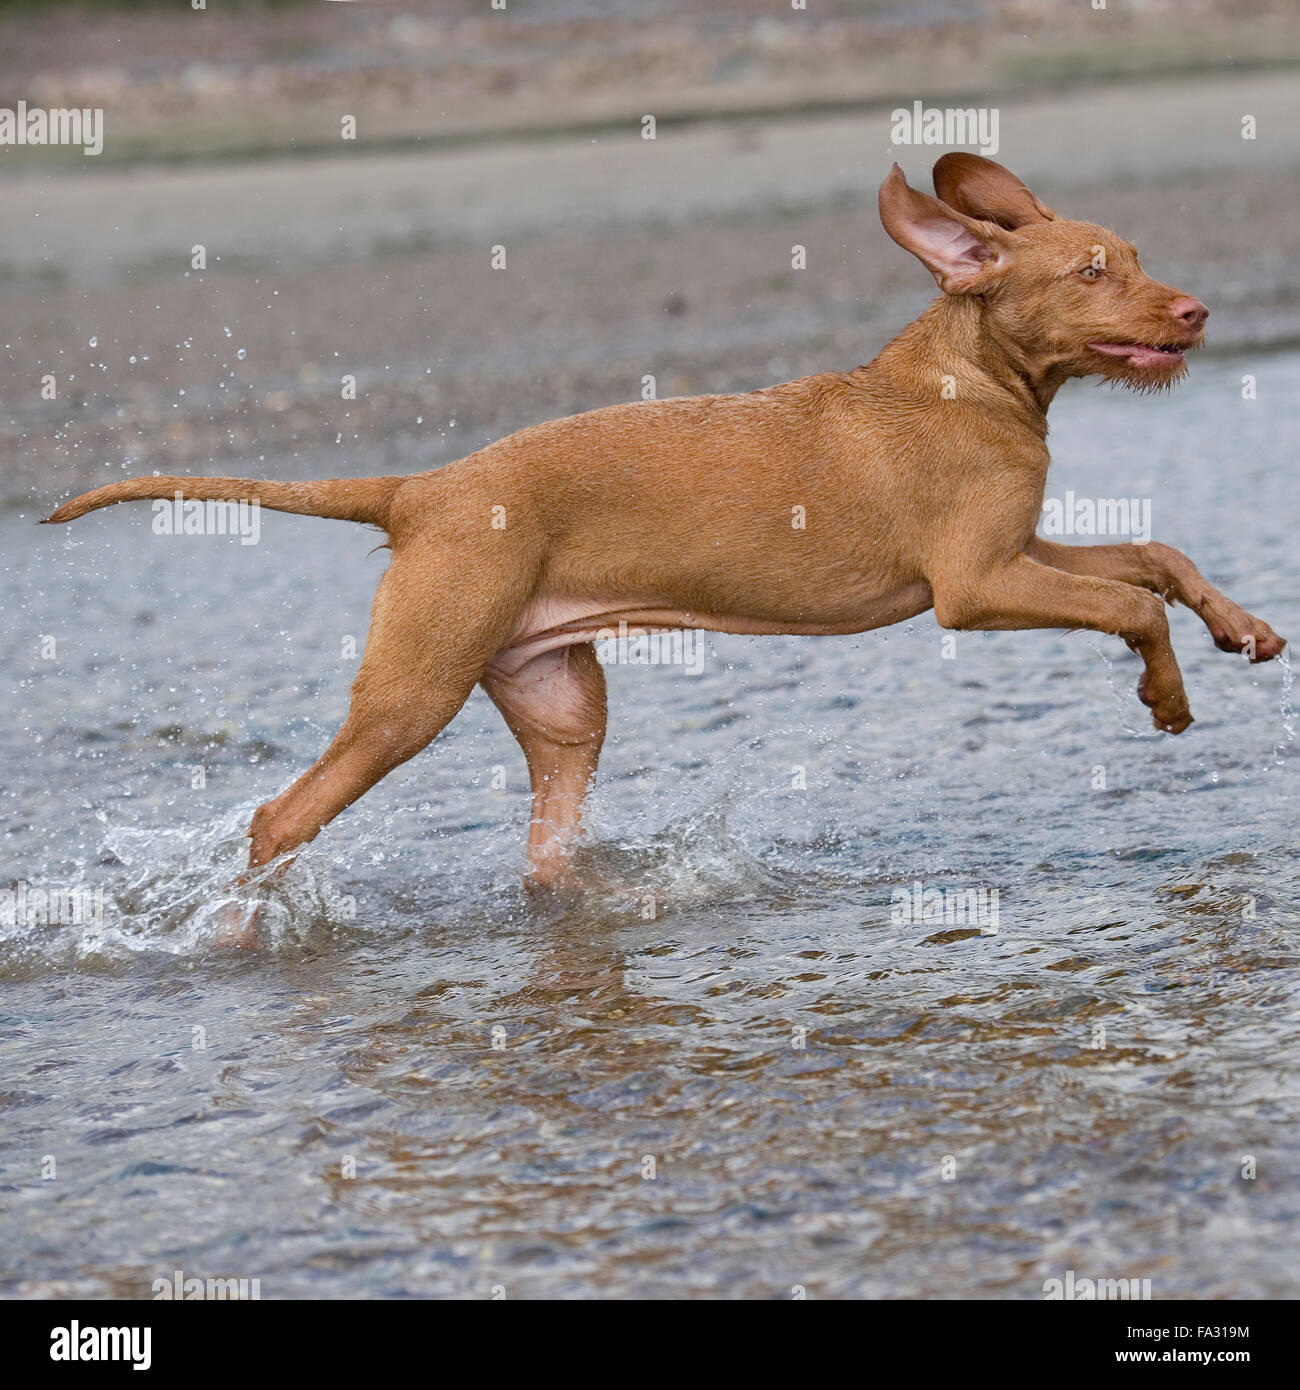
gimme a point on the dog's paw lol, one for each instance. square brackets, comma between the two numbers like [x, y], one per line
[1172, 718]
[1169, 709]
[239, 926]
[1236, 631]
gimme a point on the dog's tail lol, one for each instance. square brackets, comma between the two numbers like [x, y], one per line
[341, 499]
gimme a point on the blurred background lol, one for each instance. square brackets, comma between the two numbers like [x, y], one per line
[522, 128]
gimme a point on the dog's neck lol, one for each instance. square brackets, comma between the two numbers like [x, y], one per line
[957, 336]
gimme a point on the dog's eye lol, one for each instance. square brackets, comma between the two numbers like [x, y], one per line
[1091, 272]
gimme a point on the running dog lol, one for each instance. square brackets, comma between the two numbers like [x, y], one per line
[837, 503]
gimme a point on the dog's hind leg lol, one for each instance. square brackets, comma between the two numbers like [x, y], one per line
[555, 706]
[434, 627]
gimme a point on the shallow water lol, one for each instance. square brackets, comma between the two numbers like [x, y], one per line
[831, 1099]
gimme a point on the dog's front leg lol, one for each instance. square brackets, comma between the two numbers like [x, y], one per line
[1169, 573]
[1021, 593]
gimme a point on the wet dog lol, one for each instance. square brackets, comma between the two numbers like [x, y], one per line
[838, 503]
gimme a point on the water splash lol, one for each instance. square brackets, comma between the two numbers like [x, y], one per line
[1286, 707]
[171, 890]
[694, 859]
[1121, 698]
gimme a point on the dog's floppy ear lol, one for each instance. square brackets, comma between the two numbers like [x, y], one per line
[980, 188]
[961, 253]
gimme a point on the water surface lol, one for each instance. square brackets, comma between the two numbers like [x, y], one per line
[429, 1085]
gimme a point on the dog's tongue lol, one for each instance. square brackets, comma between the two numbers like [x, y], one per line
[1137, 356]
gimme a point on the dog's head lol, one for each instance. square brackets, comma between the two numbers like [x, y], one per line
[1070, 296]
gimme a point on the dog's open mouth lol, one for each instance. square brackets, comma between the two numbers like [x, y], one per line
[1142, 354]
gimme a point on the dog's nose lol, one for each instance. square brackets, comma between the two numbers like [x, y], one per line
[1191, 311]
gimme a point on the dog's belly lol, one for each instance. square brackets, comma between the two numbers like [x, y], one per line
[548, 622]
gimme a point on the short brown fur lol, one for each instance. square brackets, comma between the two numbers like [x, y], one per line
[920, 478]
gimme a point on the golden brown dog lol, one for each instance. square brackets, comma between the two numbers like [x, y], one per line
[838, 503]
